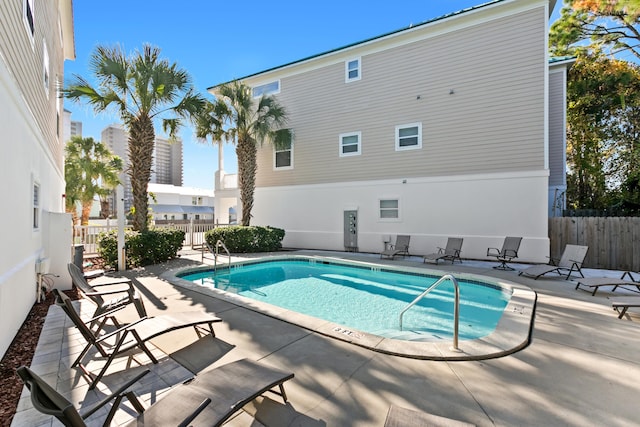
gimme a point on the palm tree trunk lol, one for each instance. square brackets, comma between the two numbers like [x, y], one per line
[141, 139]
[246, 152]
[86, 211]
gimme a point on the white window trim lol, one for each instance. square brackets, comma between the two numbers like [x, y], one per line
[412, 147]
[275, 92]
[36, 217]
[46, 68]
[378, 208]
[346, 70]
[340, 146]
[283, 168]
[26, 21]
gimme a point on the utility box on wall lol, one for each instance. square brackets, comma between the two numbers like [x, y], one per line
[351, 230]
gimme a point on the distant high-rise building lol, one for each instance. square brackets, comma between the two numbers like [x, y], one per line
[165, 169]
[167, 162]
[70, 127]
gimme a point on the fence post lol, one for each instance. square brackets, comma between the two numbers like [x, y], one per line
[191, 233]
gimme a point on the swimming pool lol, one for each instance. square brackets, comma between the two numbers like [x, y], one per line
[512, 332]
[363, 298]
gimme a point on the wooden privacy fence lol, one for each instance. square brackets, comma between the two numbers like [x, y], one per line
[614, 242]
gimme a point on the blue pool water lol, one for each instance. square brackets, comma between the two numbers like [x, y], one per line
[365, 299]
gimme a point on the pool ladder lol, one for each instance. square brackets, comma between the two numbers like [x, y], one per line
[456, 305]
[216, 252]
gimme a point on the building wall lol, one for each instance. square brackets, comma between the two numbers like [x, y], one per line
[493, 122]
[31, 121]
[477, 82]
[557, 141]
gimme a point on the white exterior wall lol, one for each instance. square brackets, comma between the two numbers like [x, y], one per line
[476, 207]
[31, 160]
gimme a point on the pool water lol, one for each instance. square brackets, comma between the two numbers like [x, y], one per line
[365, 299]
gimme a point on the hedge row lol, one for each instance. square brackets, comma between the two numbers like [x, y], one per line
[150, 247]
[239, 239]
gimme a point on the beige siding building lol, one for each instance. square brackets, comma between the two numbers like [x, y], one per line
[440, 129]
[35, 39]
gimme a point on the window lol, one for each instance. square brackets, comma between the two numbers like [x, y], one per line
[350, 144]
[352, 70]
[283, 153]
[409, 137]
[45, 67]
[196, 201]
[266, 89]
[389, 209]
[36, 206]
[28, 17]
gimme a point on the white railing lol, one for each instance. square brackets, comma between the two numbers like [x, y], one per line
[87, 235]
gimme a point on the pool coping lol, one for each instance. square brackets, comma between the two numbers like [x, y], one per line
[512, 333]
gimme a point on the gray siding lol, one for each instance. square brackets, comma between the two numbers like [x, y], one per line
[557, 131]
[494, 121]
[24, 59]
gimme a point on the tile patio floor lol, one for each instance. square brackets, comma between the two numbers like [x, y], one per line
[582, 367]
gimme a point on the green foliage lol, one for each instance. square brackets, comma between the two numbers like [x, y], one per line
[148, 247]
[241, 239]
[236, 117]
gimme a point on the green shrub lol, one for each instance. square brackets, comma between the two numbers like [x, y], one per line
[150, 247]
[239, 239]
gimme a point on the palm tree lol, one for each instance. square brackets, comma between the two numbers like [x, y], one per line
[90, 169]
[235, 117]
[142, 87]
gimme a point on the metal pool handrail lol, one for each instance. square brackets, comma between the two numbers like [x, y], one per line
[219, 244]
[456, 305]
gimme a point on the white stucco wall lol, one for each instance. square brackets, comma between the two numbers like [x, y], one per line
[27, 159]
[482, 209]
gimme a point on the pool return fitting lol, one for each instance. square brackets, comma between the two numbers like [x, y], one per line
[456, 305]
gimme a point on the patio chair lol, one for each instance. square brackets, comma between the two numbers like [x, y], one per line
[120, 287]
[211, 398]
[625, 303]
[508, 252]
[128, 337]
[571, 260]
[401, 247]
[450, 253]
[595, 283]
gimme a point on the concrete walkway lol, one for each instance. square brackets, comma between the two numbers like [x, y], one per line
[581, 368]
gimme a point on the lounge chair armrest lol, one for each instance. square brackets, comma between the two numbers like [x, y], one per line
[119, 290]
[493, 252]
[120, 329]
[187, 421]
[112, 281]
[118, 392]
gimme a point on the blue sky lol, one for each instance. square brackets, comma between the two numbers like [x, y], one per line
[218, 41]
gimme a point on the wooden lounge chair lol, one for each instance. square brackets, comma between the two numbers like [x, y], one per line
[209, 399]
[625, 303]
[595, 283]
[121, 289]
[509, 251]
[401, 247]
[571, 261]
[128, 337]
[450, 253]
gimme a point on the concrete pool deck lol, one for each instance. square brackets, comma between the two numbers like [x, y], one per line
[581, 367]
